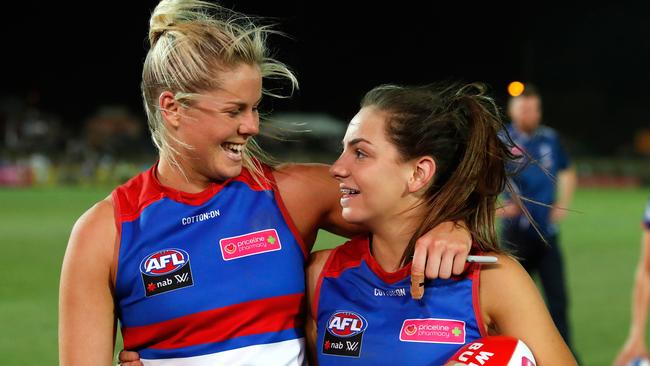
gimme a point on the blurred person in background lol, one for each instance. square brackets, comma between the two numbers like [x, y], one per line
[201, 258]
[545, 180]
[635, 344]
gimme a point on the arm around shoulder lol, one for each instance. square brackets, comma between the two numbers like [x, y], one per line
[312, 198]
[511, 305]
[86, 310]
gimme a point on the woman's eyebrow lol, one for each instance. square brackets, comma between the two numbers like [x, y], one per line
[356, 141]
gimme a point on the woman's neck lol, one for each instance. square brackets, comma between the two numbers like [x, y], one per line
[172, 177]
[389, 241]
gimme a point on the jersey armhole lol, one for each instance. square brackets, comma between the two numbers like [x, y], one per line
[268, 172]
[476, 301]
[118, 238]
[319, 282]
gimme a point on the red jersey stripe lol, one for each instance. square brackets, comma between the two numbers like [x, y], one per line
[219, 324]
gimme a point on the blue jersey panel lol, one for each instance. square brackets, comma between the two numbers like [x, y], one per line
[216, 282]
[363, 320]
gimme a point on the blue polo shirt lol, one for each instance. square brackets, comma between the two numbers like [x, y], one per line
[534, 176]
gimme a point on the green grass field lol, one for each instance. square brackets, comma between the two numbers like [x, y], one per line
[601, 247]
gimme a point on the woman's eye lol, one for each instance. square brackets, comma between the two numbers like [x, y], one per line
[360, 154]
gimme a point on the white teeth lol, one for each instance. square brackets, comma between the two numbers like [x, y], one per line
[349, 191]
[234, 147]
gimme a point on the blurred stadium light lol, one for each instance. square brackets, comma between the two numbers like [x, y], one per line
[515, 88]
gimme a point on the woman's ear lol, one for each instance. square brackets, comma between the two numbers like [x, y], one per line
[169, 108]
[424, 169]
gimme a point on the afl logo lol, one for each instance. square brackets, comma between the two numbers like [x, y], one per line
[346, 324]
[164, 262]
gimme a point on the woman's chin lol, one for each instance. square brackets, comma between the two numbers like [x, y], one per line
[221, 173]
[352, 216]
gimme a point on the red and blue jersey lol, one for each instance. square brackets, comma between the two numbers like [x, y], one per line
[215, 277]
[366, 316]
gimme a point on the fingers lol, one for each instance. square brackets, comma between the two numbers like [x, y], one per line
[129, 358]
[439, 256]
[443, 263]
[446, 264]
[417, 286]
[417, 272]
[443, 260]
[434, 262]
[459, 260]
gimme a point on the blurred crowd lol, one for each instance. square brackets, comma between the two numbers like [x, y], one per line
[40, 147]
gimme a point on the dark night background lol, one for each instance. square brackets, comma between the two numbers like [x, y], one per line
[589, 61]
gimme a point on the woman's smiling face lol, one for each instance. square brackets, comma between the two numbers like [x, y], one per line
[373, 178]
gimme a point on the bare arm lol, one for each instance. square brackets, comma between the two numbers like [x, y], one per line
[86, 311]
[511, 305]
[316, 263]
[567, 180]
[312, 197]
[635, 345]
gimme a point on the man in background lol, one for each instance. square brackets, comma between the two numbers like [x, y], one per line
[545, 180]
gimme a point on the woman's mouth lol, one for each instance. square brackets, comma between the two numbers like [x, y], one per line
[233, 150]
[347, 194]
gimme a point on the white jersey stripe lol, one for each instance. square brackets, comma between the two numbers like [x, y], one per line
[285, 353]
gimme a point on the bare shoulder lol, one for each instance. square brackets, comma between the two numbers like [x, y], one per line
[315, 266]
[318, 259]
[506, 269]
[297, 175]
[97, 219]
[502, 283]
[100, 211]
[512, 305]
[94, 233]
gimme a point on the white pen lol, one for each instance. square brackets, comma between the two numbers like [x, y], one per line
[481, 259]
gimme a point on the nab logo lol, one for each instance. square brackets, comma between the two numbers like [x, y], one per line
[346, 324]
[164, 262]
[344, 336]
[166, 270]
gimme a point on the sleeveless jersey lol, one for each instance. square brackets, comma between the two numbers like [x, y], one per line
[215, 277]
[366, 316]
